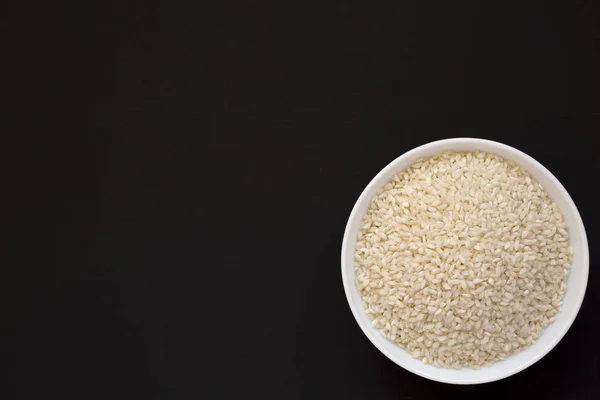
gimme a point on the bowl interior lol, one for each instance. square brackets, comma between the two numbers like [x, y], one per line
[576, 283]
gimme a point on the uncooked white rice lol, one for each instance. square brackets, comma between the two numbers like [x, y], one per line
[462, 259]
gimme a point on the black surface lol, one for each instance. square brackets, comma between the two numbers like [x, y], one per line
[182, 175]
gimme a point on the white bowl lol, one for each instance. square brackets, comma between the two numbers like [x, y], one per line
[576, 283]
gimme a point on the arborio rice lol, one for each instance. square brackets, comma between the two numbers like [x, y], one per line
[462, 259]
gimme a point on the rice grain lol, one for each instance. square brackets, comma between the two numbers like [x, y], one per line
[462, 259]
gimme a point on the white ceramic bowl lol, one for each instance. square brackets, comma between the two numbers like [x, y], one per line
[576, 283]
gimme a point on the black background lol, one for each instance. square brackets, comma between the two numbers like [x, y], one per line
[181, 175]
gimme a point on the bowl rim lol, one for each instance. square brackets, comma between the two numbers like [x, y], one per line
[355, 308]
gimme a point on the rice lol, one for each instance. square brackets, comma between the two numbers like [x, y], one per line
[462, 259]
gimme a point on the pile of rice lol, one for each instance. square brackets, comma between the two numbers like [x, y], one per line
[462, 259]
